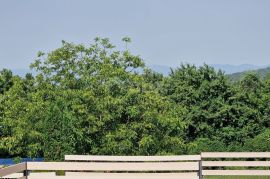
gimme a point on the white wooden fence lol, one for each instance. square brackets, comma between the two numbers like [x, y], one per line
[144, 167]
[259, 159]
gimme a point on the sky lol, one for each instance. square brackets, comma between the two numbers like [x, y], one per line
[163, 32]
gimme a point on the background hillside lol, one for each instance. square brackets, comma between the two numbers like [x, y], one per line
[262, 73]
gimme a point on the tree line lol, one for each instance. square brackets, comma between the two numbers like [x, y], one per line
[96, 99]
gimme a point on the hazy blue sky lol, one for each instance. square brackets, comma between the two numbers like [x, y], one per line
[164, 32]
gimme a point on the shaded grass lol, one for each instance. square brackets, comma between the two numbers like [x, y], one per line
[237, 177]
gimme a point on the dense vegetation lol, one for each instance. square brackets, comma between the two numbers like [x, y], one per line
[98, 100]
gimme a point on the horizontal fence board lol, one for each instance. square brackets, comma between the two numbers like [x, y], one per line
[236, 172]
[48, 174]
[235, 154]
[19, 175]
[14, 175]
[105, 166]
[132, 158]
[236, 163]
[22, 177]
[193, 175]
[124, 176]
[87, 177]
[12, 169]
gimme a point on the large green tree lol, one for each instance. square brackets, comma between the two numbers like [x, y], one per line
[219, 112]
[114, 109]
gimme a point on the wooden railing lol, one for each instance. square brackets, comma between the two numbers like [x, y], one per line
[144, 167]
[207, 162]
[13, 169]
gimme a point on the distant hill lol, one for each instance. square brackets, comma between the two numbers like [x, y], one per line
[229, 69]
[261, 72]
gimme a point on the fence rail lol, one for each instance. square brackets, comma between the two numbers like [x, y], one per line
[145, 167]
[207, 166]
[132, 158]
[13, 169]
[235, 154]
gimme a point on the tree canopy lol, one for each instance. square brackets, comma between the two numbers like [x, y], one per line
[99, 100]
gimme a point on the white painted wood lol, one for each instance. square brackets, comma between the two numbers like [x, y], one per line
[14, 175]
[235, 154]
[18, 175]
[132, 158]
[48, 174]
[139, 176]
[236, 172]
[113, 166]
[177, 167]
[134, 175]
[22, 177]
[128, 175]
[236, 163]
[87, 177]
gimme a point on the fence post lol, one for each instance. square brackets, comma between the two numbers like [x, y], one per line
[200, 169]
[26, 172]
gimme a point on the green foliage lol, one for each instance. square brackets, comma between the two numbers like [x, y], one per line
[93, 100]
[207, 145]
[59, 131]
[204, 93]
[219, 112]
[18, 111]
[5, 80]
[260, 143]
